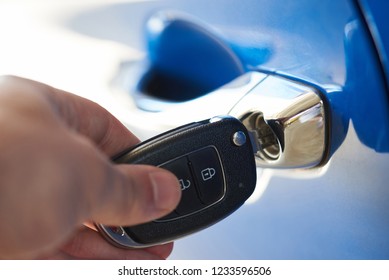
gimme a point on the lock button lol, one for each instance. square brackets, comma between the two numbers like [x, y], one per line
[208, 173]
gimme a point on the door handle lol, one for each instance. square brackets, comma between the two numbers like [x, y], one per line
[290, 122]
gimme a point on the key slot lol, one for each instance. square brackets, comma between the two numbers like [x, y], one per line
[267, 145]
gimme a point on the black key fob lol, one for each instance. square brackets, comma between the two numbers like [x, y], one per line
[214, 163]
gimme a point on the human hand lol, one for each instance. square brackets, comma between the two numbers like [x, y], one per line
[55, 175]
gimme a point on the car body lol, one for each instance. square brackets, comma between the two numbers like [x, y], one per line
[337, 210]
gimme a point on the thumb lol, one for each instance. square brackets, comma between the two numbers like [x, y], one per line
[136, 194]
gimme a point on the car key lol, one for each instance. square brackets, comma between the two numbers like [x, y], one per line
[214, 163]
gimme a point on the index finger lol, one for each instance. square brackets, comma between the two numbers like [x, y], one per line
[91, 120]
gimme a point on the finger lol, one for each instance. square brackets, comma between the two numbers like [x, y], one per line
[148, 192]
[143, 193]
[139, 194]
[82, 115]
[88, 244]
[115, 194]
[93, 121]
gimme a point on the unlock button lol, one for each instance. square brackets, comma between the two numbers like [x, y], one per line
[190, 201]
[208, 174]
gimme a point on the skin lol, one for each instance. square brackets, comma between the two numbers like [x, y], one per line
[56, 177]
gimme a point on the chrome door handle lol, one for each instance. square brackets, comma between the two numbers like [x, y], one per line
[290, 119]
[290, 122]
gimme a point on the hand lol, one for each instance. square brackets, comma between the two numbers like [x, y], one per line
[55, 175]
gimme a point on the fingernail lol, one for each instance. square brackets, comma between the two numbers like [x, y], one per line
[166, 191]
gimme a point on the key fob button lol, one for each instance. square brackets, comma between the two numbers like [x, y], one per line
[208, 174]
[190, 201]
